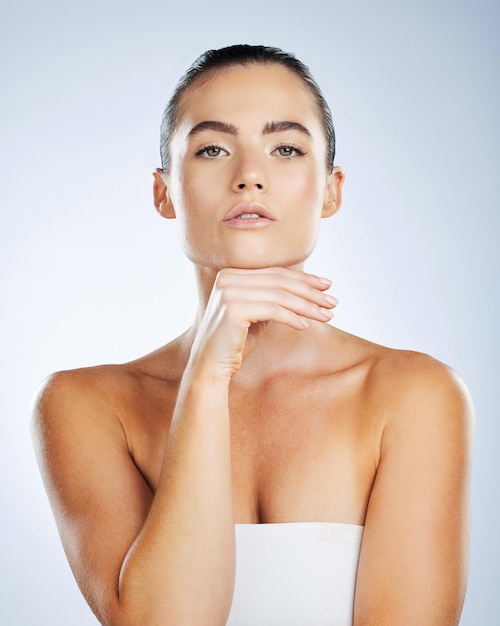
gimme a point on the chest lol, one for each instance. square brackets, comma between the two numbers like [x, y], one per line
[303, 452]
[300, 451]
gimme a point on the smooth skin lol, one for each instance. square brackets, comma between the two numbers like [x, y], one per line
[261, 411]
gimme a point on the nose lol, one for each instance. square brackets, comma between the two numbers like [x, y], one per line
[249, 173]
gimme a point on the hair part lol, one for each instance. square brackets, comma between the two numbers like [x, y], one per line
[243, 54]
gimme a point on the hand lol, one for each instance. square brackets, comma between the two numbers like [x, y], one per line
[242, 298]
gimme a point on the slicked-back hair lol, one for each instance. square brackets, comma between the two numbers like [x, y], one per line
[213, 60]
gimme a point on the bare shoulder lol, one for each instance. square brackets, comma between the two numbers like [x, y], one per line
[75, 406]
[407, 392]
[404, 382]
[411, 366]
[424, 414]
[418, 386]
[111, 413]
[110, 388]
[78, 390]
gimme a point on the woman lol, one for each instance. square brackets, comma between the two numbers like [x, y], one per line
[325, 474]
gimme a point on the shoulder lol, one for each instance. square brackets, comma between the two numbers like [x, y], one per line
[404, 387]
[413, 382]
[425, 407]
[69, 388]
[114, 395]
[112, 384]
[396, 377]
[93, 398]
[70, 403]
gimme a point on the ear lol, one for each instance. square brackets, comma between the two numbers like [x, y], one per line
[160, 195]
[333, 195]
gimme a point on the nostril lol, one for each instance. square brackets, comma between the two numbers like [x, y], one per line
[243, 185]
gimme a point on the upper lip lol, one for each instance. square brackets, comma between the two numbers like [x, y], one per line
[248, 207]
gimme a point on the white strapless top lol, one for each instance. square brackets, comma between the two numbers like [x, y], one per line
[295, 574]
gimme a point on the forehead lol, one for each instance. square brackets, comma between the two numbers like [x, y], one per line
[250, 92]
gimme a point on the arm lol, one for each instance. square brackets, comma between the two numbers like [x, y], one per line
[414, 556]
[167, 558]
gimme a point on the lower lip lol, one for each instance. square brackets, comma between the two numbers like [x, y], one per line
[248, 223]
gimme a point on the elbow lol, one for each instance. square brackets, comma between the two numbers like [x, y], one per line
[160, 613]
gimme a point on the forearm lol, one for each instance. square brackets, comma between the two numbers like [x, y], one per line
[181, 568]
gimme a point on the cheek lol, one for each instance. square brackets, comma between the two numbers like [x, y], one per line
[198, 186]
[309, 195]
[196, 206]
[189, 196]
[308, 191]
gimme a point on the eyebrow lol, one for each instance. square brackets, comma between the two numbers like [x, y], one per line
[230, 129]
[220, 127]
[277, 127]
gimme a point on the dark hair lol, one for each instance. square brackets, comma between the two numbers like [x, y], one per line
[244, 54]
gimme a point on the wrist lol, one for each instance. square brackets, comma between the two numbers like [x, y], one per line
[204, 389]
[201, 374]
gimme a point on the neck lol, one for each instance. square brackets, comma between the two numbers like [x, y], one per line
[205, 279]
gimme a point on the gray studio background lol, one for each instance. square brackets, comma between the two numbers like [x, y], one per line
[91, 274]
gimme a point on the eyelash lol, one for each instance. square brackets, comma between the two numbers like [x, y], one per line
[297, 149]
[203, 151]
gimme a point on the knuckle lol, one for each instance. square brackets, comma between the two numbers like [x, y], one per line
[226, 296]
[280, 294]
[273, 309]
[232, 308]
[221, 278]
[234, 312]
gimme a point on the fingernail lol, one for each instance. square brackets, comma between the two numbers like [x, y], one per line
[331, 300]
[327, 313]
[326, 281]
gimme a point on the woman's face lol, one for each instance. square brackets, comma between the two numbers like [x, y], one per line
[248, 182]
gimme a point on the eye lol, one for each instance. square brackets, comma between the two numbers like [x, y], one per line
[211, 152]
[289, 151]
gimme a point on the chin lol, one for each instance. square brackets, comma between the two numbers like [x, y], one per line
[256, 261]
[251, 257]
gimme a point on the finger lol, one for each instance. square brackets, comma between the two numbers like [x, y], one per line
[280, 282]
[247, 302]
[256, 312]
[277, 291]
[312, 279]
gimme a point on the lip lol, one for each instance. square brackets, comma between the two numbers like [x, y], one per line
[232, 217]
